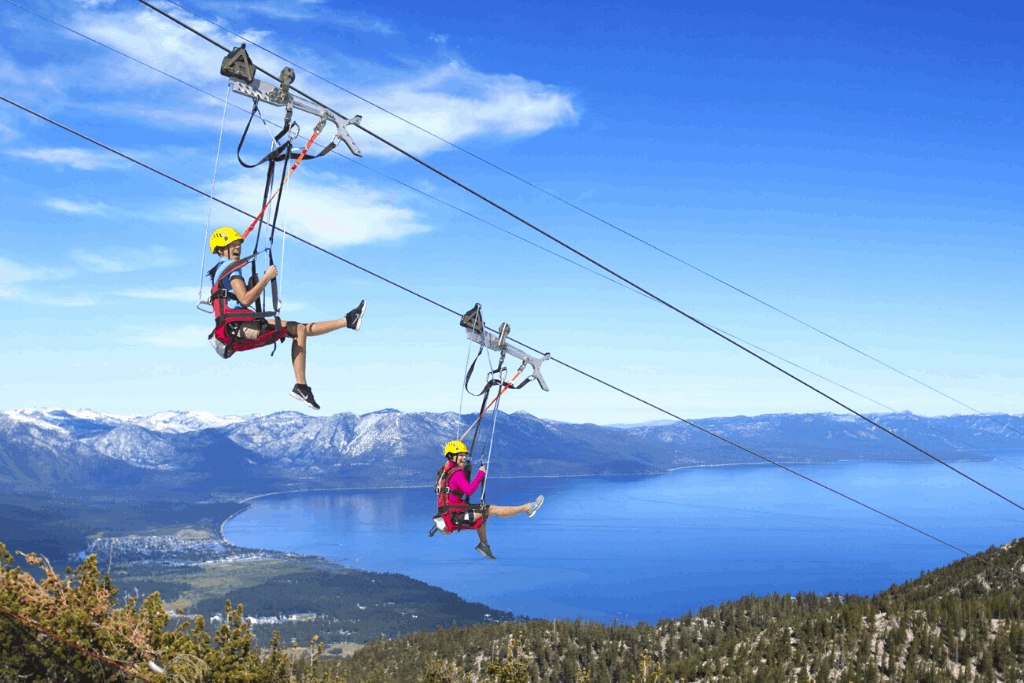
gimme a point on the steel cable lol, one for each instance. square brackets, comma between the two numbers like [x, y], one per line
[556, 360]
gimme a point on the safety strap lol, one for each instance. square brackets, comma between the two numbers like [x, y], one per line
[275, 154]
[298, 160]
[490, 445]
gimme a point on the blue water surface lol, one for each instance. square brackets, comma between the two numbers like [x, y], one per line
[643, 549]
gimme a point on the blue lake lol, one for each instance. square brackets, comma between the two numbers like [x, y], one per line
[642, 549]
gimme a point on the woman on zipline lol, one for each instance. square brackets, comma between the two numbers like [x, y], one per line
[455, 489]
[227, 244]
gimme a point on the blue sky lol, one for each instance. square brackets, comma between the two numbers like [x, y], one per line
[857, 165]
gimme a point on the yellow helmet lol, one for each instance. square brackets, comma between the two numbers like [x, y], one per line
[453, 448]
[222, 237]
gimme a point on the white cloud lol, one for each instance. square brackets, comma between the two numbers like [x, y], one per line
[439, 38]
[332, 210]
[181, 294]
[14, 272]
[42, 298]
[65, 301]
[456, 102]
[82, 159]
[451, 99]
[182, 337]
[7, 132]
[93, 4]
[303, 10]
[67, 206]
[149, 37]
[365, 24]
[125, 260]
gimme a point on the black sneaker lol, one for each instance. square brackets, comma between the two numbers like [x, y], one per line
[305, 394]
[485, 550]
[354, 318]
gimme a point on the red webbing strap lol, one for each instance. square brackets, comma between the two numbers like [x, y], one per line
[219, 290]
[298, 161]
[447, 508]
[507, 385]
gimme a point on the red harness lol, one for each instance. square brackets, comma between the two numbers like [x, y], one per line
[227, 337]
[457, 516]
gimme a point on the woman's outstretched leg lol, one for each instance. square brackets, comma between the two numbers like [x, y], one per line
[481, 531]
[508, 510]
[300, 331]
[513, 510]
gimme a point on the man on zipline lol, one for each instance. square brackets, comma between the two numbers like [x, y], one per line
[454, 490]
[227, 243]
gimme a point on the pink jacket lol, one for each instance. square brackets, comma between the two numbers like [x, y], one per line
[459, 483]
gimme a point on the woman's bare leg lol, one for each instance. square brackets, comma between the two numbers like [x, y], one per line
[316, 329]
[481, 531]
[298, 332]
[500, 511]
[507, 511]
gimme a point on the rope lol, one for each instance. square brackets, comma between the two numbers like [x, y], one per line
[462, 389]
[298, 161]
[504, 388]
[525, 345]
[490, 445]
[213, 191]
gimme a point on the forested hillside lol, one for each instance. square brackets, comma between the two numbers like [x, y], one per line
[963, 622]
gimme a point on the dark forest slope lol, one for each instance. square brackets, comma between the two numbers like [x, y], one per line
[963, 622]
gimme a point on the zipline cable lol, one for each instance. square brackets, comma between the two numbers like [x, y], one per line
[213, 191]
[452, 206]
[605, 268]
[334, 152]
[599, 219]
[948, 437]
[686, 315]
[560, 362]
[440, 201]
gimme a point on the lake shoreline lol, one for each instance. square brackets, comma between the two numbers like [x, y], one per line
[723, 531]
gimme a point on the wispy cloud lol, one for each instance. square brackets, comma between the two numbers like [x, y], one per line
[144, 34]
[70, 301]
[303, 10]
[334, 210]
[16, 272]
[7, 132]
[451, 99]
[182, 337]
[182, 294]
[67, 206]
[365, 24]
[126, 260]
[457, 102]
[12, 274]
[72, 157]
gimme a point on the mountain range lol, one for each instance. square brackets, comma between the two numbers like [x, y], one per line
[73, 452]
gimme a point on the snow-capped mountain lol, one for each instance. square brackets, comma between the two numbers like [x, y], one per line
[48, 450]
